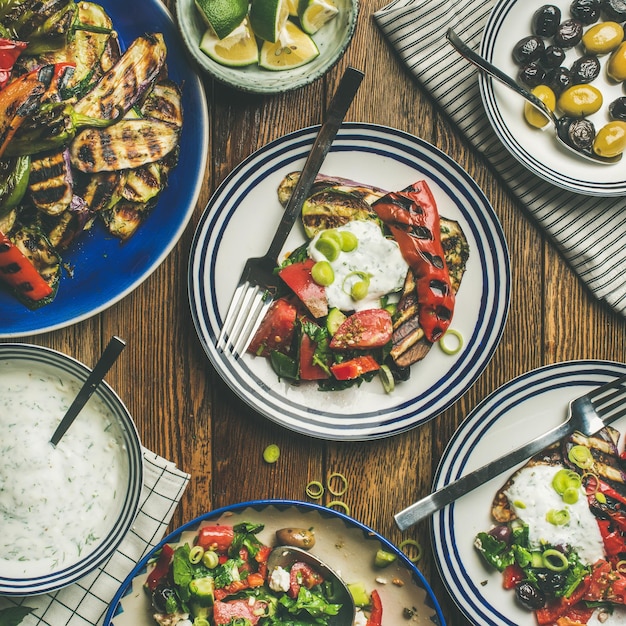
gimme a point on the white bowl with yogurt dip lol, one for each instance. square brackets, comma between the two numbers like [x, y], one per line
[63, 509]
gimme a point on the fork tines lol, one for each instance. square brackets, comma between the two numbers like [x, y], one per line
[610, 400]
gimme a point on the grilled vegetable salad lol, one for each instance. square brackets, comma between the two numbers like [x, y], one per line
[87, 132]
[371, 290]
[223, 580]
[559, 537]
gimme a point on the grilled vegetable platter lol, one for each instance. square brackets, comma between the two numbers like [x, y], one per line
[370, 291]
[91, 146]
[546, 543]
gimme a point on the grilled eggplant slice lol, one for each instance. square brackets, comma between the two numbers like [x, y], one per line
[128, 80]
[103, 189]
[164, 103]
[123, 219]
[51, 183]
[124, 145]
[143, 183]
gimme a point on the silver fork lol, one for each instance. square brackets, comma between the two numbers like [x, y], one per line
[258, 283]
[587, 415]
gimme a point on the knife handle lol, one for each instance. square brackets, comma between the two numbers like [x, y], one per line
[437, 500]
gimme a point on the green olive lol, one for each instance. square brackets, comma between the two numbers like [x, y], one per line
[298, 537]
[532, 114]
[611, 139]
[603, 37]
[616, 67]
[580, 100]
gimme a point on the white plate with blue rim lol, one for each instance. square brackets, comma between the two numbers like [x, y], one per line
[538, 150]
[345, 544]
[519, 411]
[240, 221]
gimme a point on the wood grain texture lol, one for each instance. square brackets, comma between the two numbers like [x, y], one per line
[186, 413]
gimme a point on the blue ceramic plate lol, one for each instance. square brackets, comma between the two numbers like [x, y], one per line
[105, 270]
[517, 412]
[538, 150]
[346, 545]
[240, 221]
[20, 578]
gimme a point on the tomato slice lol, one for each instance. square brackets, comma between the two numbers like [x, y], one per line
[276, 329]
[302, 575]
[298, 278]
[348, 370]
[308, 369]
[217, 537]
[371, 328]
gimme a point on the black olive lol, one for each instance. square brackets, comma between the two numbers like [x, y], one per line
[532, 75]
[587, 11]
[614, 9]
[530, 597]
[501, 532]
[546, 20]
[585, 69]
[617, 109]
[560, 80]
[549, 582]
[528, 49]
[160, 596]
[553, 56]
[569, 33]
[577, 132]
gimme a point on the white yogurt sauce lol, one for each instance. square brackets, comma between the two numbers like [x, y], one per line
[375, 255]
[532, 487]
[55, 503]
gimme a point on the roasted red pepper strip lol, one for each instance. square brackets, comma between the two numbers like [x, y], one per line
[613, 538]
[413, 219]
[161, 568]
[19, 273]
[10, 50]
[376, 614]
[348, 370]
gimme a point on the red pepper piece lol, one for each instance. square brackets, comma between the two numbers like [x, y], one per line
[302, 575]
[261, 558]
[612, 537]
[512, 575]
[299, 280]
[216, 537]
[19, 273]
[161, 568]
[348, 370]
[10, 50]
[376, 614]
[413, 219]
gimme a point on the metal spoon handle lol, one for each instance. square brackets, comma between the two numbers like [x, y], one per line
[109, 356]
[497, 73]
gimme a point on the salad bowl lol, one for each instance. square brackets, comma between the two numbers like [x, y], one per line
[344, 544]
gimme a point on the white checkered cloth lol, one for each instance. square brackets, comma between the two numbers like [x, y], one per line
[590, 232]
[85, 602]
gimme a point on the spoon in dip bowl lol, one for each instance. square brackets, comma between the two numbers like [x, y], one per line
[109, 356]
[286, 556]
[506, 80]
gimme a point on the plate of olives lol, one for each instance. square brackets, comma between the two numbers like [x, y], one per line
[572, 55]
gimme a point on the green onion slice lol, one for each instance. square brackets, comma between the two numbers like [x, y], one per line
[580, 456]
[210, 559]
[565, 479]
[386, 378]
[414, 551]
[453, 347]
[271, 453]
[339, 504]
[343, 487]
[558, 517]
[195, 554]
[315, 489]
[555, 560]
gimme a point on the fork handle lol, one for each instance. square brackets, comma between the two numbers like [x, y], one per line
[337, 110]
[440, 498]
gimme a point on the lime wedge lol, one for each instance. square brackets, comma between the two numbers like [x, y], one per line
[268, 18]
[314, 14]
[223, 16]
[293, 49]
[236, 50]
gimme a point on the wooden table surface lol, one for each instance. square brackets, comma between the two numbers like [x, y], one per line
[186, 413]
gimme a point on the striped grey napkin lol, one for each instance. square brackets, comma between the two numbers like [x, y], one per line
[589, 231]
[85, 602]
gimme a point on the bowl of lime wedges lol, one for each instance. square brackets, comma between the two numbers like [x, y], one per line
[266, 46]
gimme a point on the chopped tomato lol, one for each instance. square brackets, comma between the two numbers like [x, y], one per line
[261, 558]
[302, 575]
[348, 370]
[376, 614]
[298, 278]
[561, 607]
[216, 537]
[512, 575]
[225, 612]
[371, 328]
[276, 329]
[308, 369]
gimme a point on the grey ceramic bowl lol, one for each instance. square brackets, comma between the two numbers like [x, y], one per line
[332, 40]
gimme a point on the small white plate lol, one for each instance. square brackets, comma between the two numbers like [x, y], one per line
[240, 221]
[346, 545]
[538, 150]
[517, 412]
